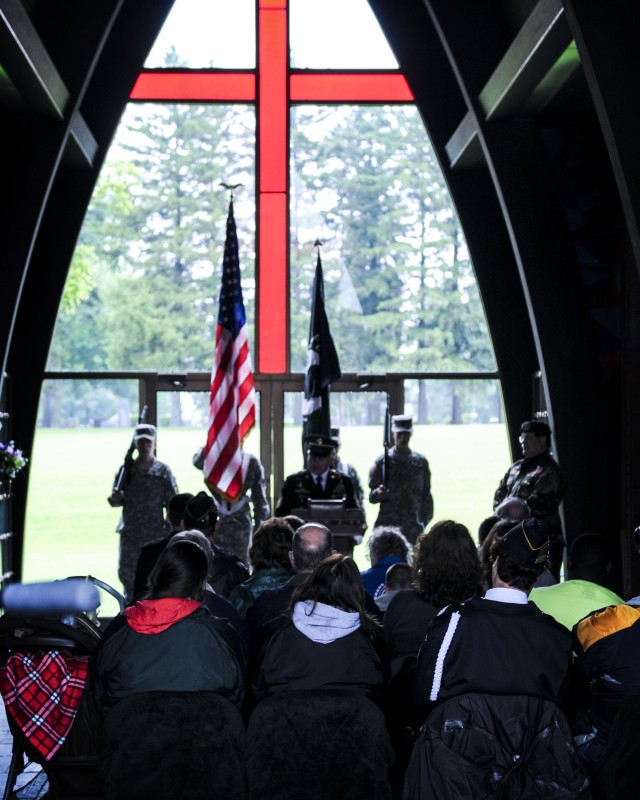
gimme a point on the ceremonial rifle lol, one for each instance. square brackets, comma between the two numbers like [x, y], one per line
[386, 443]
[124, 476]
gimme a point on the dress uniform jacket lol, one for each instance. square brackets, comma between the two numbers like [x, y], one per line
[299, 488]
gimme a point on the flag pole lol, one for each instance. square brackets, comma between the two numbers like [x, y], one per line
[232, 396]
[323, 366]
[231, 187]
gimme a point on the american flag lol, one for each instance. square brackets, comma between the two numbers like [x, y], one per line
[232, 401]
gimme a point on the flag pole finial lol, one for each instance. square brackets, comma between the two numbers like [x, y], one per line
[231, 187]
[317, 243]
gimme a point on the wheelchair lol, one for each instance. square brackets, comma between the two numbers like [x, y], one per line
[71, 771]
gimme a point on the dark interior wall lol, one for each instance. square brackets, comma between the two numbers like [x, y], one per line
[543, 211]
[95, 51]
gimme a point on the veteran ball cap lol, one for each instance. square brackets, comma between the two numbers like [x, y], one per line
[144, 432]
[527, 543]
[401, 423]
[318, 444]
[200, 512]
[536, 427]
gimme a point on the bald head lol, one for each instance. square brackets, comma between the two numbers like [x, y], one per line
[312, 543]
[514, 508]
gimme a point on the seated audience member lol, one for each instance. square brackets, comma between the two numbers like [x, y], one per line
[501, 527]
[200, 514]
[499, 644]
[295, 522]
[311, 544]
[513, 508]
[397, 578]
[269, 557]
[152, 550]
[484, 529]
[169, 642]
[588, 568]
[445, 570]
[218, 605]
[326, 641]
[607, 643]
[387, 546]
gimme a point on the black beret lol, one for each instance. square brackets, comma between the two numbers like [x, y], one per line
[178, 502]
[536, 427]
[527, 543]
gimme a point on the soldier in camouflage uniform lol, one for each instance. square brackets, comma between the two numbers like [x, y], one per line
[235, 528]
[143, 500]
[405, 497]
[347, 469]
[318, 482]
[539, 481]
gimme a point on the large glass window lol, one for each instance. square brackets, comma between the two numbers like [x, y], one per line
[321, 36]
[399, 284]
[207, 33]
[143, 288]
[357, 172]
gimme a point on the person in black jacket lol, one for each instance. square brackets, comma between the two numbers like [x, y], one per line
[311, 544]
[499, 644]
[169, 642]
[319, 481]
[194, 512]
[327, 641]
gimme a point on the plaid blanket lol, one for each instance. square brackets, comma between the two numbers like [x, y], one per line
[42, 693]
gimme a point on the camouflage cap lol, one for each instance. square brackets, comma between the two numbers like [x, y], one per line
[144, 431]
[402, 423]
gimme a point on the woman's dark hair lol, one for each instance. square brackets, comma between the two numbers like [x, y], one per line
[336, 582]
[485, 528]
[199, 539]
[271, 544]
[498, 530]
[510, 571]
[446, 567]
[181, 571]
[388, 541]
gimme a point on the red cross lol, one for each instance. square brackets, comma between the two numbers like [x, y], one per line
[277, 86]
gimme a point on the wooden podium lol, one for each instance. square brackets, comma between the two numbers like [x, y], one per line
[346, 524]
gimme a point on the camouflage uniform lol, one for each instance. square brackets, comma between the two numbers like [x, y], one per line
[234, 530]
[146, 497]
[347, 469]
[541, 483]
[410, 505]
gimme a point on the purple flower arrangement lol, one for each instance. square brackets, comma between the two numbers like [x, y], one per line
[12, 460]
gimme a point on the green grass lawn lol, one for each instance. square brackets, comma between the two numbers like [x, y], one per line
[70, 526]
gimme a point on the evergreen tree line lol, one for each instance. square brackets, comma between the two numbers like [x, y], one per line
[143, 287]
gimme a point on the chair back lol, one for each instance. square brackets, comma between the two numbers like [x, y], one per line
[495, 747]
[172, 746]
[318, 744]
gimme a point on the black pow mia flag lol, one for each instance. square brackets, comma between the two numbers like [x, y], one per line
[323, 366]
